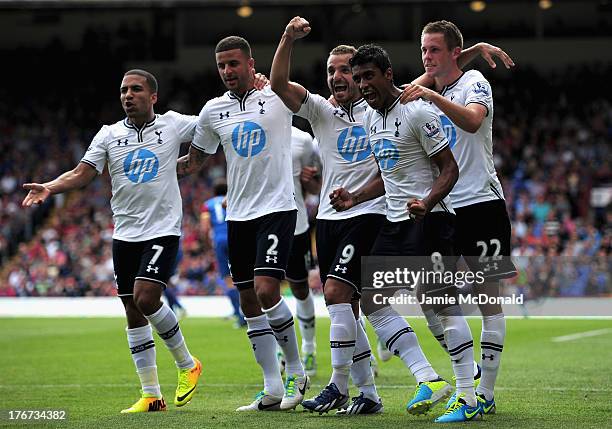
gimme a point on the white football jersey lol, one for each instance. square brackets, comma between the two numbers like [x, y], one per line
[403, 139]
[478, 180]
[146, 200]
[345, 152]
[303, 155]
[255, 133]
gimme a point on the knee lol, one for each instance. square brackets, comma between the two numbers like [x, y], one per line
[300, 290]
[337, 293]
[268, 291]
[131, 309]
[146, 303]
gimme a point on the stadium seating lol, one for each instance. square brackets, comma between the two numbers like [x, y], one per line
[552, 148]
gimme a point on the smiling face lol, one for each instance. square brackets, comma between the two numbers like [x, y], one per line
[375, 86]
[340, 79]
[236, 70]
[137, 98]
[438, 59]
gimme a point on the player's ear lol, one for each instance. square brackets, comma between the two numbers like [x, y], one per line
[389, 74]
[154, 98]
[251, 63]
[456, 52]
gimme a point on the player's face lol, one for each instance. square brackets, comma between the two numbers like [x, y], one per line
[236, 70]
[438, 60]
[340, 79]
[137, 99]
[375, 86]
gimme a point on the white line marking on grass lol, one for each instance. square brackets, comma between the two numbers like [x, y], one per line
[581, 335]
[258, 386]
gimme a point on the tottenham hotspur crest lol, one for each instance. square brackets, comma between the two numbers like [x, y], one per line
[397, 124]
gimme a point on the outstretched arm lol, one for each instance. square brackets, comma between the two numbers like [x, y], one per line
[485, 50]
[191, 163]
[80, 176]
[291, 93]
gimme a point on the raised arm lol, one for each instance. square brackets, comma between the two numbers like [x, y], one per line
[342, 200]
[78, 177]
[191, 163]
[291, 93]
[485, 50]
[449, 173]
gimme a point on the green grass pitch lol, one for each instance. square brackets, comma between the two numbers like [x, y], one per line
[83, 365]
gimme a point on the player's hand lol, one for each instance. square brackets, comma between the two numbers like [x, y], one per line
[413, 92]
[417, 209]
[332, 100]
[341, 199]
[307, 174]
[488, 51]
[224, 202]
[260, 80]
[297, 28]
[36, 195]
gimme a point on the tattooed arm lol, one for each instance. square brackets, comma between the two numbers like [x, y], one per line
[191, 163]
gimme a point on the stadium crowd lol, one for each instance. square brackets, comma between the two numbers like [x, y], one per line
[552, 152]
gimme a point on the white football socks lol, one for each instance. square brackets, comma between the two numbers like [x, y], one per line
[393, 330]
[281, 321]
[142, 347]
[342, 335]
[458, 338]
[166, 324]
[305, 313]
[491, 347]
[361, 371]
[264, 348]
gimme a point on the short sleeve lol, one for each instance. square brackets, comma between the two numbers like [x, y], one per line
[205, 138]
[311, 107]
[96, 155]
[185, 125]
[427, 128]
[479, 91]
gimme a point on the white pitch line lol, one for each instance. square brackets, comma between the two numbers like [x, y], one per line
[581, 335]
[257, 386]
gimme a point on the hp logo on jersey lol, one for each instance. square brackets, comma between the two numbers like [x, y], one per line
[449, 130]
[248, 139]
[353, 144]
[386, 154]
[140, 166]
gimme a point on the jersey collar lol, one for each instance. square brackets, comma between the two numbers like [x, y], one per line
[128, 124]
[241, 99]
[351, 107]
[451, 85]
[386, 111]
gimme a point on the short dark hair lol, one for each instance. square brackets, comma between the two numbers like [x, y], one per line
[151, 81]
[233, 42]
[371, 54]
[452, 35]
[343, 49]
[220, 187]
